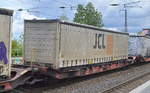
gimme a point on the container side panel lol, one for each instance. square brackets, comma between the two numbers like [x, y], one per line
[120, 49]
[109, 45]
[147, 47]
[5, 21]
[82, 46]
[40, 42]
[135, 46]
[139, 46]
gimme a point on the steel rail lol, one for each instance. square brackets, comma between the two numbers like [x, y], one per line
[111, 89]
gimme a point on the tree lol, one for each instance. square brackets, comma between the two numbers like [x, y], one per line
[88, 15]
[17, 47]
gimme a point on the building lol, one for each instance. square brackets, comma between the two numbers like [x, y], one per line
[145, 32]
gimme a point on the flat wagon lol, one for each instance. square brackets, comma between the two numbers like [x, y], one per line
[67, 49]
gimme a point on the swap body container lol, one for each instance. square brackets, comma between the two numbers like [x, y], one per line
[139, 45]
[62, 44]
[5, 42]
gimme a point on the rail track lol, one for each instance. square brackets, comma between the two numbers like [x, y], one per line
[100, 83]
[126, 83]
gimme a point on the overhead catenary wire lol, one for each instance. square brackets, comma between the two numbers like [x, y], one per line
[125, 9]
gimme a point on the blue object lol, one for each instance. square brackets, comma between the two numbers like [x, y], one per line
[3, 53]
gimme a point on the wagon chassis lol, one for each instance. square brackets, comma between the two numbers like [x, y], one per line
[20, 75]
[78, 71]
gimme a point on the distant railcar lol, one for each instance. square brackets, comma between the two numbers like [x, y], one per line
[5, 42]
[66, 46]
[139, 45]
[139, 48]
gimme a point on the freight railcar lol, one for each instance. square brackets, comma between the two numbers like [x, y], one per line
[5, 43]
[10, 77]
[63, 50]
[69, 49]
[139, 46]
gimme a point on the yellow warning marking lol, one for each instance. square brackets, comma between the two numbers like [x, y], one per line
[90, 61]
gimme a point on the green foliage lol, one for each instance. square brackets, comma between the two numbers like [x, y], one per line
[64, 18]
[17, 47]
[88, 15]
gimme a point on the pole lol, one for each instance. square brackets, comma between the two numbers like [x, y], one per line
[63, 16]
[126, 12]
[126, 21]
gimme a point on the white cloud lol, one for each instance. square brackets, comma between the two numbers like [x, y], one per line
[27, 15]
[18, 22]
[19, 16]
[114, 29]
[138, 18]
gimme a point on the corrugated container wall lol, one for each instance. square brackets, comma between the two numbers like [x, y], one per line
[139, 45]
[40, 42]
[5, 42]
[65, 44]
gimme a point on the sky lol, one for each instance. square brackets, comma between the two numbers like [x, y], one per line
[113, 16]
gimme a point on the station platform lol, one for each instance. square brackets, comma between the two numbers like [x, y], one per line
[144, 88]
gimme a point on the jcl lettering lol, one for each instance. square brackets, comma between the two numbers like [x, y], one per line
[99, 41]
